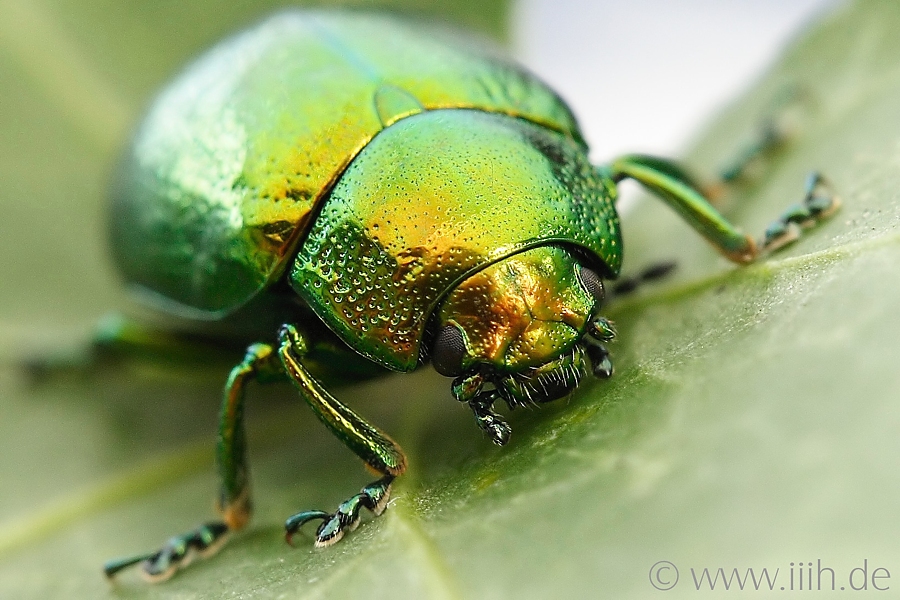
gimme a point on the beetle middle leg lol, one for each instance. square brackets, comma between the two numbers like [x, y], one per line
[260, 363]
[380, 453]
[781, 125]
[266, 363]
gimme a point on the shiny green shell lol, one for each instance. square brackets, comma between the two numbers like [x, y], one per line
[397, 234]
[365, 146]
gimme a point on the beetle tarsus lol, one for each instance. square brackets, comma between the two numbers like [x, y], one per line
[294, 523]
[781, 126]
[177, 553]
[374, 497]
[819, 202]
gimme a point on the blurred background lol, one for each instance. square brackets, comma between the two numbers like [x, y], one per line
[644, 75]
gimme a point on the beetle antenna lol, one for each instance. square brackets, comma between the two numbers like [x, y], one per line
[602, 329]
[489, 421]
[601, 365]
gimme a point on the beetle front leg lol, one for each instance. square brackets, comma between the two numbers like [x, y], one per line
[380, 453]
[260, 363]
[667, 180]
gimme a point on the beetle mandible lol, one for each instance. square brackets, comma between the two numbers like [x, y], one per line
[340, 180]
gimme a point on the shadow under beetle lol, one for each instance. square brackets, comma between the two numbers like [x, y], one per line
[420, 196]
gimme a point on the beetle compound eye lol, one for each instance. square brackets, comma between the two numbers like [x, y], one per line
[449, 351]
[592, 283]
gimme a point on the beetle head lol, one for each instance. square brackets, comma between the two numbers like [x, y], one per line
[523, 325]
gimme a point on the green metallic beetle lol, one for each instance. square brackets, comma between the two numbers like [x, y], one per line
[421, 197]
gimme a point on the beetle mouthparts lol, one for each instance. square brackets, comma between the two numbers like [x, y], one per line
[547, 382]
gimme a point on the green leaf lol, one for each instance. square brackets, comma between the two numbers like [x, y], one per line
[752, 421]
